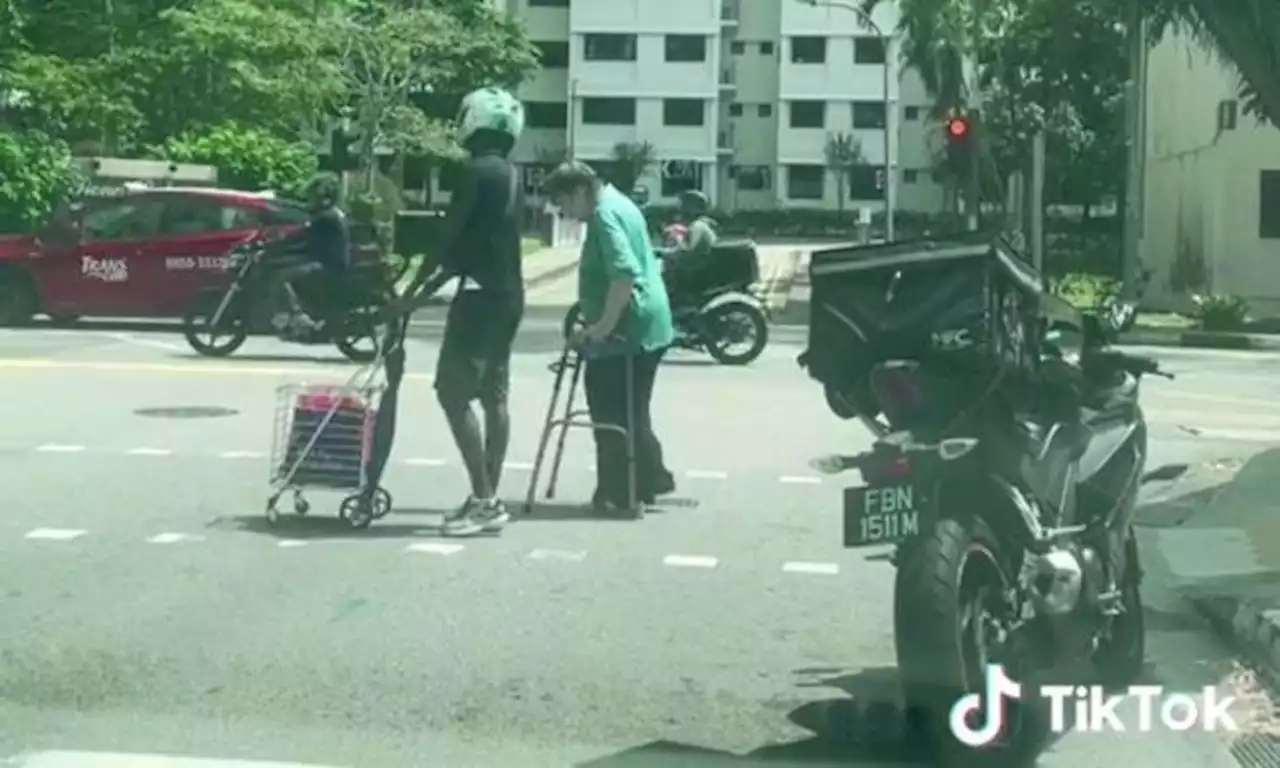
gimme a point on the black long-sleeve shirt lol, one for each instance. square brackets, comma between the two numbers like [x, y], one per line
[481, 237]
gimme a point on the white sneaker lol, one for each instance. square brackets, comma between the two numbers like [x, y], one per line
[462, 521]
[492, 517]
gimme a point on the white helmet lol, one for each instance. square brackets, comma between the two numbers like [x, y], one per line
[490, 109]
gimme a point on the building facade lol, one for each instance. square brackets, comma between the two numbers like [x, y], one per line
[1211, 185]
[739, 99]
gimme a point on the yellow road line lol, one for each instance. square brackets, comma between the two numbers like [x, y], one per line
[211, 369]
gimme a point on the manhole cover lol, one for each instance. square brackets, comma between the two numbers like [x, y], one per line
[187, 412]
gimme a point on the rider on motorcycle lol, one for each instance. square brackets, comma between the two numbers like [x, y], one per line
[324, 244]
[695, 247]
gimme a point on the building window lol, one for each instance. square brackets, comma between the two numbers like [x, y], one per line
[548, 3]
[808, 50]
[911, 113]
[766, 110]
[683, 112]
[546, 114]
[804, 182]
[766, 48]
[865, 182]
[868, 50]
[609, 47]
[553, 54]
[737, 48]
[1269, 204]
[680, 176]
[808, 114]
[608, 111]
[868, 114]
[751, 178]
[735, 110]
[910, 175]
[686, 47]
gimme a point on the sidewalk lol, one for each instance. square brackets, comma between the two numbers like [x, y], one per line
[1222, 545]
[541, 268]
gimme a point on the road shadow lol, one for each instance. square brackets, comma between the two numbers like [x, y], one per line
[277, 358]
[324, 525]
[860, 724]
[548, 510]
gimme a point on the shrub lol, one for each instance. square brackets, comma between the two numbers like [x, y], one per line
[1223, 312]
[1085, 291]
[36, 174]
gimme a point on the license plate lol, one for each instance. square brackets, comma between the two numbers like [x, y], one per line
[879, 515]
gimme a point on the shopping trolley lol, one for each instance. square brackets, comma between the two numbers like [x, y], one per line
[570, 365]
[326, 437]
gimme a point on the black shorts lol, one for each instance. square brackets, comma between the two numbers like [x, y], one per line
[475, 357]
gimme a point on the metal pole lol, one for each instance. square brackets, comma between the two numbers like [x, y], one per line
[571, 137]
[1134, 107]
[1037, 202]
[890, 112]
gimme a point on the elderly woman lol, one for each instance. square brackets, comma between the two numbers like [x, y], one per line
[624, 301]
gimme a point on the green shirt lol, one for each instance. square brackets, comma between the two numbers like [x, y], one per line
[617, 247]
[701, 238]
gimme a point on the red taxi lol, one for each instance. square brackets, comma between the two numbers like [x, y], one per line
[143, 253]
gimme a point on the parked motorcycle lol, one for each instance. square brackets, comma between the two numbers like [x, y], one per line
[221, 319]
[1004, 471]
[717, 304]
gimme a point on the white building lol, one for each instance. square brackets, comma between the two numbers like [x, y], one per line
[739, 98]
[1211, 210]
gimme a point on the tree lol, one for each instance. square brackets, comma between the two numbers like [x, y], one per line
[35, 174]
[246, 158]
[630, 161]
[842, 152]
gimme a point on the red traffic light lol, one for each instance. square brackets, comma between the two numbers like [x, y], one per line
[957, 128]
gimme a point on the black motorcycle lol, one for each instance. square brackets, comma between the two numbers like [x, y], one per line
[1004, 472]
[221, 319]
[717, 304]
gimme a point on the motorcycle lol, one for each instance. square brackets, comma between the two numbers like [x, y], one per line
[221, 319]
[1012, 533]
[717, 305]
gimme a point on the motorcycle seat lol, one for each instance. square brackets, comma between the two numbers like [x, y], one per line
[1115, 401]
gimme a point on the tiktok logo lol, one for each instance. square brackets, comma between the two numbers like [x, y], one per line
[999, 687]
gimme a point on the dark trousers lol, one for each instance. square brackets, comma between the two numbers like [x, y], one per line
[606, 382]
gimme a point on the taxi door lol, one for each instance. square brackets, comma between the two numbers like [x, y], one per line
[191, 251]
[95, 274]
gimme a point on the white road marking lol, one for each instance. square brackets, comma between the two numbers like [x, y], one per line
[704, 474]
[152, 343]
[241, 455]
[826, 569]
[57, 448]
[800, 480]
[149, 452]
[425, 462]
[67, 759]
[290, 543]
[1266, 436]
[690, 561]
[173, 538]
[55, 534]
[519, 466]
[557, 554]
[435, 548]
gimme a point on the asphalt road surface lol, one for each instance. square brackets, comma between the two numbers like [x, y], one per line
[145, 608]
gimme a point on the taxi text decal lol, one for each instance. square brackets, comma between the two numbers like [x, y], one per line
[106, 270]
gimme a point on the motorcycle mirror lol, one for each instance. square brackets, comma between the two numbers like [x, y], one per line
[1165, 473]
[828, 465]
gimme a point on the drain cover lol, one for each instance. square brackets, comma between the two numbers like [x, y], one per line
[187, 412]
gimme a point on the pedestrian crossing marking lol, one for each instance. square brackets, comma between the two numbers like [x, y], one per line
[55, 534]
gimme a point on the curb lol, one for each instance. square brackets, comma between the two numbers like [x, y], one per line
[1250, 626]
[780, 291]
[1202, 339]
[538, 280]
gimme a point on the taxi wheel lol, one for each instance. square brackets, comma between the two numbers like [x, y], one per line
[17, 299]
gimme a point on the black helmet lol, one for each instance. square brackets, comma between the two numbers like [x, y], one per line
[323, 190]
[694, 201]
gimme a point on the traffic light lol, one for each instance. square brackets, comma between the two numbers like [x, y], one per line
[958, 133]
[958, 130]
[342, 152]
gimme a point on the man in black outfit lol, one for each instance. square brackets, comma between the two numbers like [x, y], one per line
[324, 243]
[480, 246]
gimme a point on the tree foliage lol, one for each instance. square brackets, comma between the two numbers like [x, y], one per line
[35, 172]
[246, 158]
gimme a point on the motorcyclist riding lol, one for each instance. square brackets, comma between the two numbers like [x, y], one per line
[319, 248]
[693, 251]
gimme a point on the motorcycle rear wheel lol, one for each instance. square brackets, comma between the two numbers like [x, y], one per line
[947, 607]
[232, 330]
[741, 313]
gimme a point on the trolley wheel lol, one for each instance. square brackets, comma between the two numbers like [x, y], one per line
[272, 512]
[301, 506]
[637, 512]
[381, 503]
[356, 512]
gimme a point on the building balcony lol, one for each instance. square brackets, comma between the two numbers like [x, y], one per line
[724, 142]
[728, 80]
[730, 13]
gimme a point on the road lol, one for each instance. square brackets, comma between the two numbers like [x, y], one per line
[147, 610]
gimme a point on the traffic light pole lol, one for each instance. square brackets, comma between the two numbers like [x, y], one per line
[973, 180]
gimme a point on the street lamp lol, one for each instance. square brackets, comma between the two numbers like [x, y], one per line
[890, 183]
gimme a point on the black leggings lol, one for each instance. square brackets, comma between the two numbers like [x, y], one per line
[605, 382]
